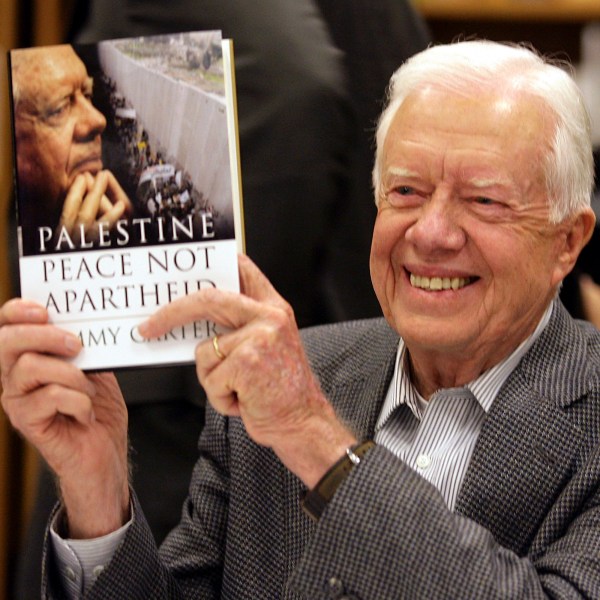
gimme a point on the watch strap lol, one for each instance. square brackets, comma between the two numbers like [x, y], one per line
[316, 499]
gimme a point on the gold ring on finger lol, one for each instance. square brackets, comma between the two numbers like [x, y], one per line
[215, 343]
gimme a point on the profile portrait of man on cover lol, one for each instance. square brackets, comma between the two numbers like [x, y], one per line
[449, 449]
[60, 179]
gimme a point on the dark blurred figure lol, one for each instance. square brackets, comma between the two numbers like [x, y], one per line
[307, 110]
[580, 292]
[375, 38]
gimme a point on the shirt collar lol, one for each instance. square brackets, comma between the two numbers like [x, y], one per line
[484, 388]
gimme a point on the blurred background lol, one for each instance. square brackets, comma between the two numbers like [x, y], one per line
[567, 29]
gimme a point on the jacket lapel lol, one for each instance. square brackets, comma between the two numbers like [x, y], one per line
[360, 404]
[528, 446]
[522, 459]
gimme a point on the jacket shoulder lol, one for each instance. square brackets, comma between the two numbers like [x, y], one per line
[564, 362]
[351, 349]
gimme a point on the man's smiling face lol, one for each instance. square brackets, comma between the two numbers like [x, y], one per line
[464, 259]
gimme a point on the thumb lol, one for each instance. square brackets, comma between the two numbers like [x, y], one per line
[255, 285]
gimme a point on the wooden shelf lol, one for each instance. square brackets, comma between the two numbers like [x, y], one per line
[515, 10]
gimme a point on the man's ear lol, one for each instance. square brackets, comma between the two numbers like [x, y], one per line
[577, 234]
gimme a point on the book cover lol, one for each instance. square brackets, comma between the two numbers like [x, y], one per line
[128, 187]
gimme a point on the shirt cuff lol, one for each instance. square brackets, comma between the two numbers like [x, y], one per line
[80, 562]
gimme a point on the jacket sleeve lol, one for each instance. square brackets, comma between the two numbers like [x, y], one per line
[189, 562]
[388, 534]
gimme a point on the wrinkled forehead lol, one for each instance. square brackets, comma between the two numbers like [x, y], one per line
[34, 69]
[515, 116]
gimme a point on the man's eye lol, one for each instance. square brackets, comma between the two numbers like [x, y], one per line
[58, 110]
[56, 113]
[404, 196]
[483, 200]
[405, 190]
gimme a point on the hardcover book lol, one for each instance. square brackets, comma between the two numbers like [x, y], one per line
[128, 187]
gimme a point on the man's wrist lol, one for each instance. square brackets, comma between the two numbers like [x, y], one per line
[316, 499]
[85, 520]
[310, 450]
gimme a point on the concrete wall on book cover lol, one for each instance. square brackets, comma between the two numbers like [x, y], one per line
[161, 170]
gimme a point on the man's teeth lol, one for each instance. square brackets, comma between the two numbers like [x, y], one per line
[435, 284]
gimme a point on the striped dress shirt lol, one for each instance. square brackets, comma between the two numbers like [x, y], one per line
[437, 437]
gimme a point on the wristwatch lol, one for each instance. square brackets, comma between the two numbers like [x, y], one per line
[315, 500]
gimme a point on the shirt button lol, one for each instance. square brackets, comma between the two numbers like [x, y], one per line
[423, 461]
[70, 574]
[97, 570]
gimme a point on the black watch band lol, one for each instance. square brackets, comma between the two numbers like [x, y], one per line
[315, 500]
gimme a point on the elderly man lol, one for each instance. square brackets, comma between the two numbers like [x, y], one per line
[449, 450]
[58, 147]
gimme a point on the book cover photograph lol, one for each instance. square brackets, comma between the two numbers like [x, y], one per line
[128, 187]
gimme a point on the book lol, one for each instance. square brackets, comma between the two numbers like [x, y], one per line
[128, 187]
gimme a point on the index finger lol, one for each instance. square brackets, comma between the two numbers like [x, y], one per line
[17, 339]
[229, 309]
[73, 201]
[111, 213]
[90, 206]
[18, 310]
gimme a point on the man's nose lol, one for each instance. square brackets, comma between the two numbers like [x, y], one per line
[90, 121]
[437, 228]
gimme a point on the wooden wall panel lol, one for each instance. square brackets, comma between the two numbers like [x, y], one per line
[8, 442]
[47, 23]
[51, 21]
[512, 10]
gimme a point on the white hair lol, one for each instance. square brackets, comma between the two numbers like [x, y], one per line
[468, 66]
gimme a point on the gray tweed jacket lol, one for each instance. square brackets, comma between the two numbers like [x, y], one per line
[527, 522]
